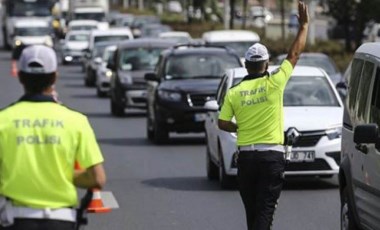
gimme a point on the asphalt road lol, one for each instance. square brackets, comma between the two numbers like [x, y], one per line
[165, 187]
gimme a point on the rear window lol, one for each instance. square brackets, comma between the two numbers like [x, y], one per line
[200, 65]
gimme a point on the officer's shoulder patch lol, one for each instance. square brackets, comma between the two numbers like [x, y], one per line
[275, 71]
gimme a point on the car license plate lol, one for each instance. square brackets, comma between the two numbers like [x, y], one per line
[302, 156]
[200, 117]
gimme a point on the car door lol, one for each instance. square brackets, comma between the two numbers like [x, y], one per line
[212, 122]
[371, 187]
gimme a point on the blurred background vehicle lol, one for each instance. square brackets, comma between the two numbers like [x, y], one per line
[92, 59]
[153, 30]
[104, 74]
[186, 77]
[260, 16]
[142, 20]
[74, 46]
[122, 20]
[30, 32]
[87, 25]
[311, 105]
[238, 40]
[134, 58]
[181, 37]
[13, 10]
[317, 60]
[112, 34]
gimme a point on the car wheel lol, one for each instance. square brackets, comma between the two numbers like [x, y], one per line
[347, 221]
[161, 135]
[212, 169]
[116, 109]
[100, 93]
[226, 181]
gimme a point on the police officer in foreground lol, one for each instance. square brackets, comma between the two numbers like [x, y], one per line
[40, 141]
[257, 105]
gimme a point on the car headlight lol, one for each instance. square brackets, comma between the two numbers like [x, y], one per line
[169, 96]
[18, 43]
[334, 133]
[107, 73]
[125, 79]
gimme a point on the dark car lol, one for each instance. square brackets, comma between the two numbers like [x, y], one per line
[92, 59]
[140, 21]
[131, 61]
[186, 77]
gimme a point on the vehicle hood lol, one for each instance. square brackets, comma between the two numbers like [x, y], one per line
[191, 85]
[137, 76]
[33, 39]
[77, 45]
[312, 118]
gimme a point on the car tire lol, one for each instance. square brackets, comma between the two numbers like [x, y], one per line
[211, 167]
[100, 93]
[161, 135]
[347, 220]
[149, 131]
[116, 109]
[226, 181]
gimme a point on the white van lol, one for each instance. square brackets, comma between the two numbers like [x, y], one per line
[112, 34]
[31, 32]
[359, 175]
[239, 40]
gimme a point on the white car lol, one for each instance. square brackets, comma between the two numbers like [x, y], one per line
[103, 74]
[181, 37]
[311, 105]
[74, 46]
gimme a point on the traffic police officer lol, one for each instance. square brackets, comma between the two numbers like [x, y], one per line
[40, 141]
[257, 105]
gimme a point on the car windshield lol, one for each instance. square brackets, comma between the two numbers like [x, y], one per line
[309, 91]
[83, 27]
[78, 37]
[239, 47]
[108, 55]
[306, 91]
[200, 65]
[32, 31]
[98, 51]
[139, 58]
[109, 38]
[154, 31]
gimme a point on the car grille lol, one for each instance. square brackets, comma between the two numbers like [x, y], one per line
[318, 164]
[308, 139]
[199, 100]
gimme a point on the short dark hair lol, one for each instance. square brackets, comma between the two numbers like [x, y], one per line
[36, 83]
[255, 66]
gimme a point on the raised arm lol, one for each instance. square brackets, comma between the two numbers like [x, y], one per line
[300, 40]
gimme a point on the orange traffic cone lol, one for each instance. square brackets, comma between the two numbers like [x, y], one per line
[14, 70]
[96, 204]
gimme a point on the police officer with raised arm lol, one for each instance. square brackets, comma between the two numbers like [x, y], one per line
[257, 105]
[40, 141]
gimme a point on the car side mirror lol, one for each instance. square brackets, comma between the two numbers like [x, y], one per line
[366, 134]
[212, 106]
[151, 77]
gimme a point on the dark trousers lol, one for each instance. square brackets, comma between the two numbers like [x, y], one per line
[40, 224]
[260, 179]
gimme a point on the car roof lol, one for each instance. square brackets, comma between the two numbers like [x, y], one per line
[106, 43]
[146, 42]
[372, 48]
[197, 50]
[75, 32]
[299, 71]
[230, 35]
[175, 34]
